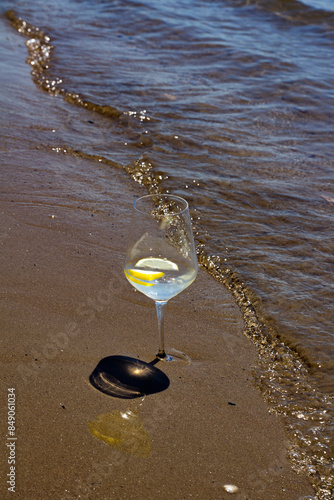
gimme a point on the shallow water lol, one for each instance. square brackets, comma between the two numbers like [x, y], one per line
[229, 104]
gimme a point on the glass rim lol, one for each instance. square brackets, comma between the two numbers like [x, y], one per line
[168, 196]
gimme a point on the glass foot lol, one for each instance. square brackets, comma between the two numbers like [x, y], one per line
[174, 355]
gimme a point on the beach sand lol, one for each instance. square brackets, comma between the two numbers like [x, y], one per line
[66, 305]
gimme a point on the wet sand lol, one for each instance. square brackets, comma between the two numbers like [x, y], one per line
[66, 306]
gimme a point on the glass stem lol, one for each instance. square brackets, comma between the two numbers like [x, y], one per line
[161, 307]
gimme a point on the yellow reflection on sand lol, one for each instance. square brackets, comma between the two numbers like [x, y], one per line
[122, 430]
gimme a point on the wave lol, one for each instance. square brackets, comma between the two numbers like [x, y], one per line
[39, 56]
[303, 12]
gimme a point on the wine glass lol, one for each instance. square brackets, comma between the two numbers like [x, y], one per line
[161, 258]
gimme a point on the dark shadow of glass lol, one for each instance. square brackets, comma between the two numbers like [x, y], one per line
[125, 377]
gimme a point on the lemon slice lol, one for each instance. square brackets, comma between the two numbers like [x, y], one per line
[145, 274]
[157, 263]
[136, 280]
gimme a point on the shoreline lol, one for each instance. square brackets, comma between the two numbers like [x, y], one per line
[65, 312]
[67, 306]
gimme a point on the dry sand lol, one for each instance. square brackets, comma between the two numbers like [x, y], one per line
[66, 305]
